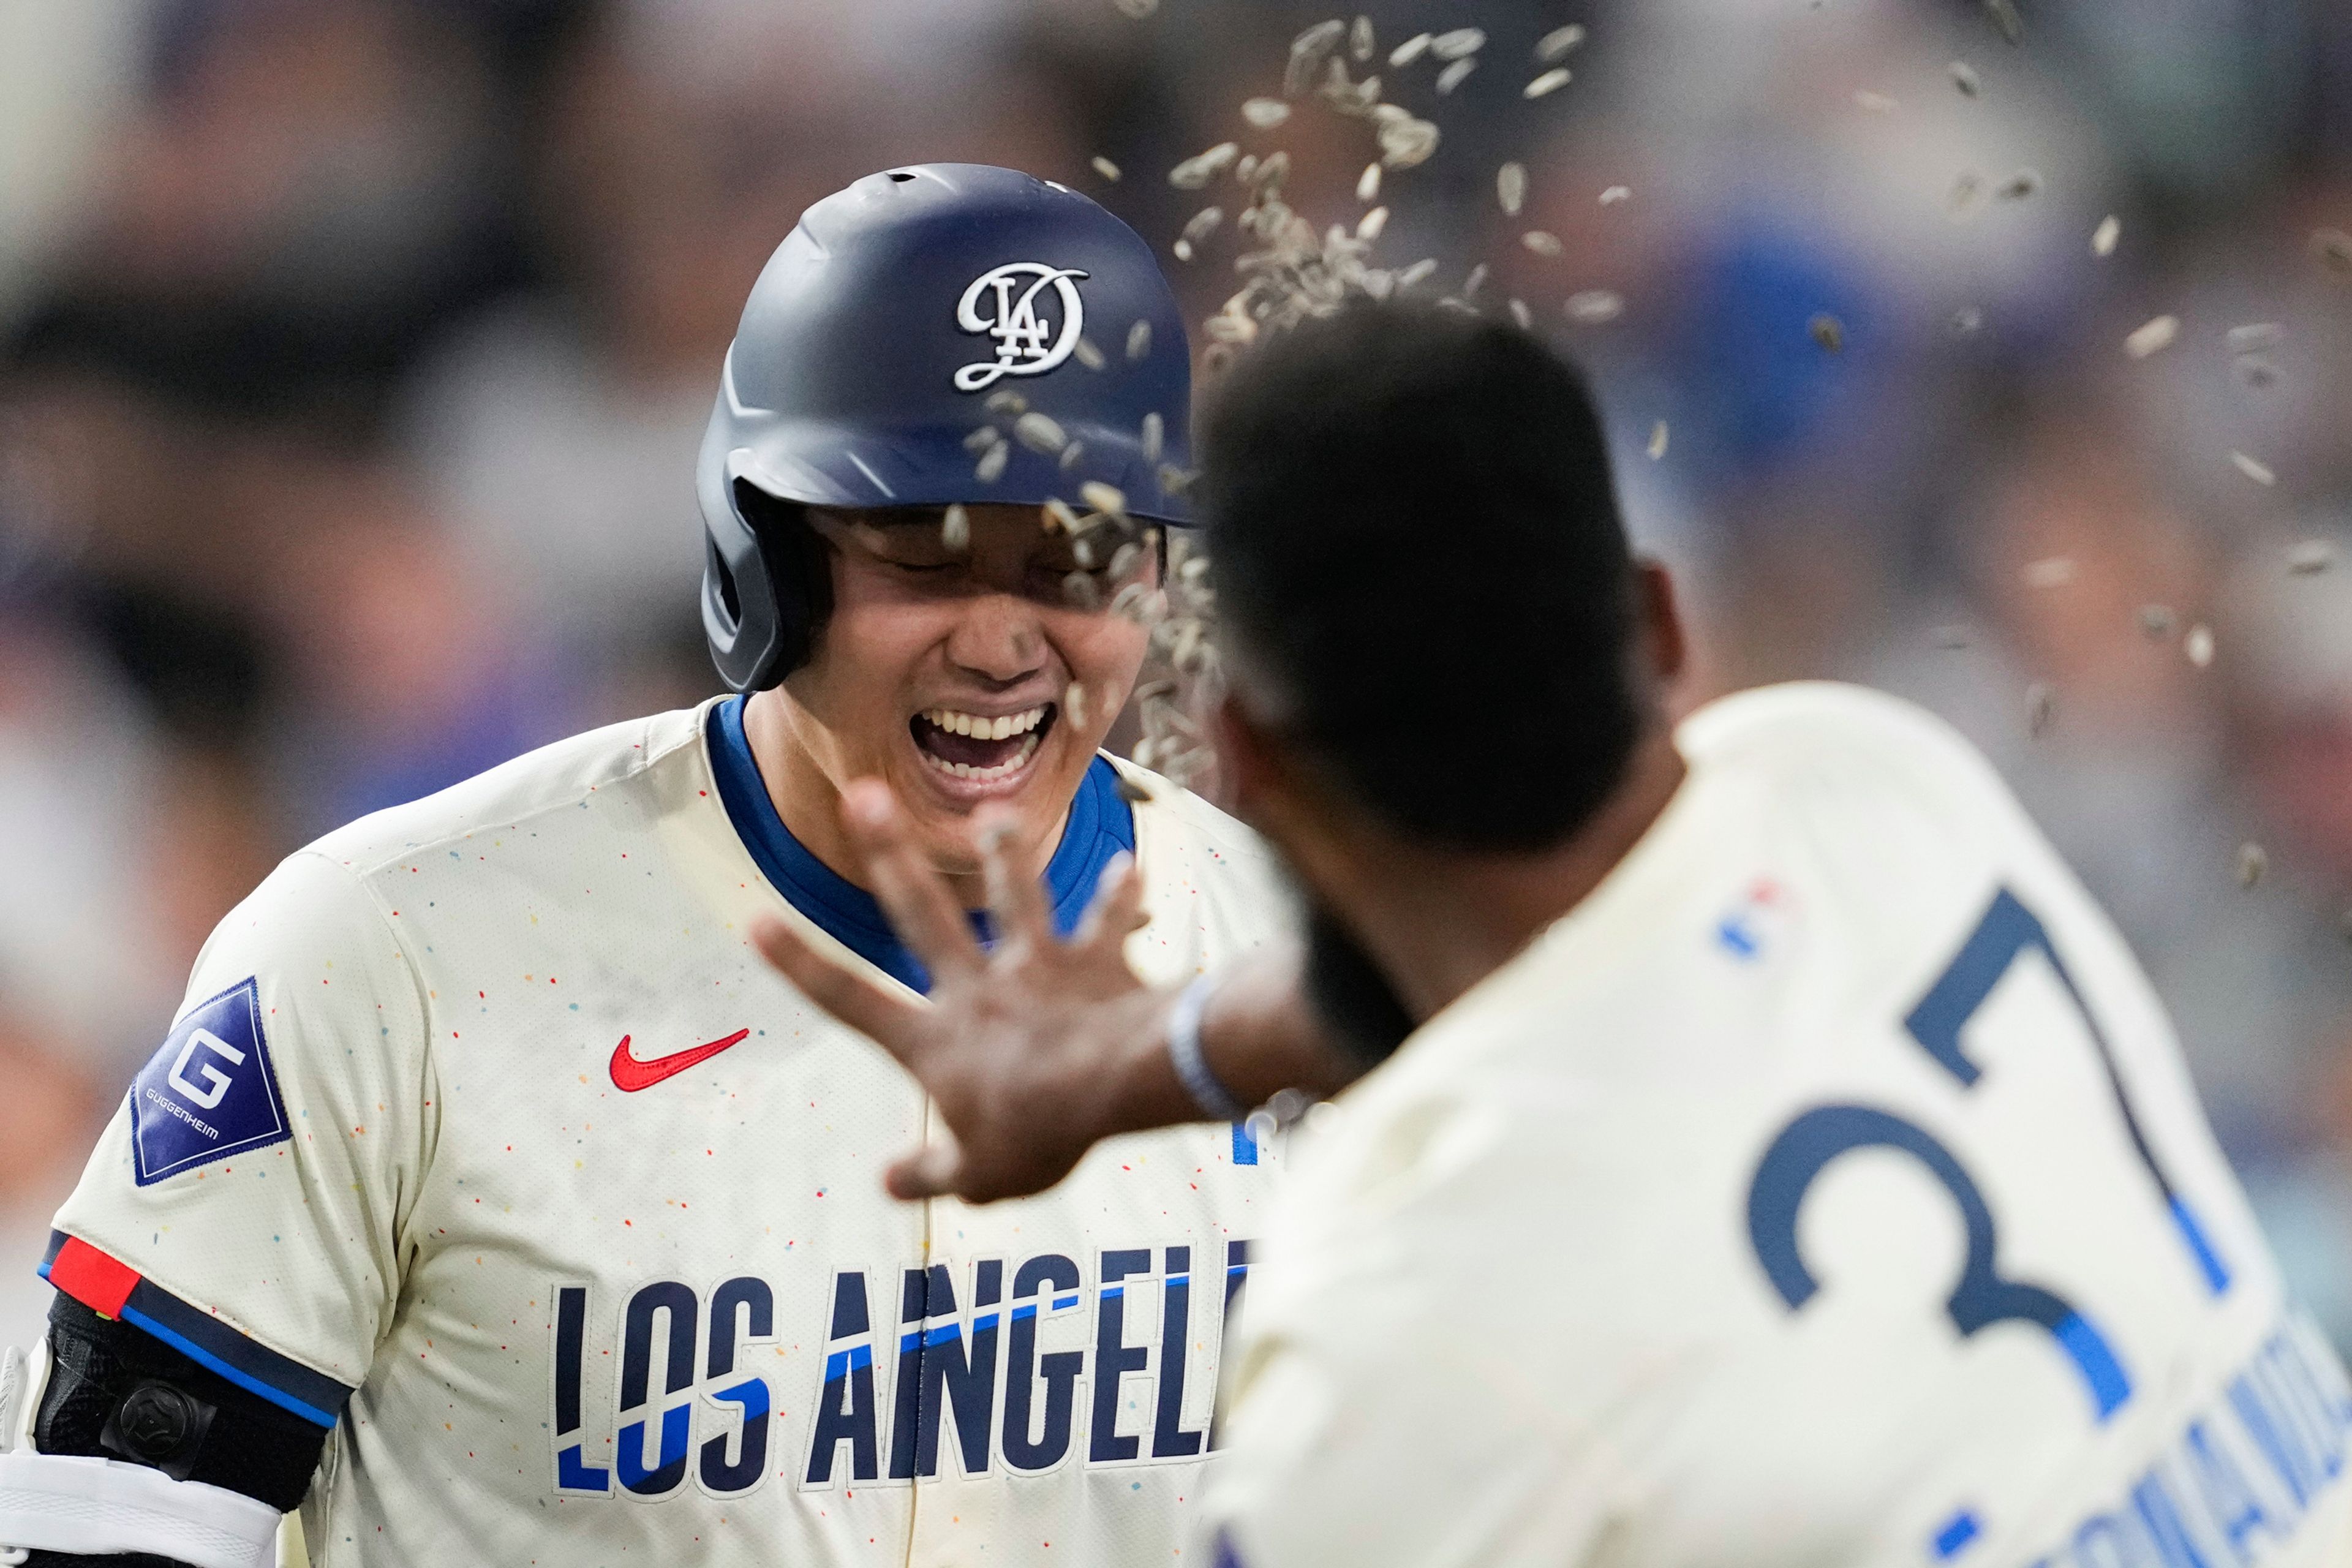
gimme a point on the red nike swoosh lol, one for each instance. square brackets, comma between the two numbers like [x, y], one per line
[630, 1075]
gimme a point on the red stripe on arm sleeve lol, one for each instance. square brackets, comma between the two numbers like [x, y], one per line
[97, 1281]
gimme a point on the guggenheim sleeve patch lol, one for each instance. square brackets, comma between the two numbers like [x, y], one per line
[210, 1092]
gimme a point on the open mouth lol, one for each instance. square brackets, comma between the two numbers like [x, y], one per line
[981, 747]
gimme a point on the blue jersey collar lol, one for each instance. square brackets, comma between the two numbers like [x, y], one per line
[1100, 825]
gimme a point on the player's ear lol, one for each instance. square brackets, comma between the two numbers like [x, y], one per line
[1252, 762]
[1658, 622]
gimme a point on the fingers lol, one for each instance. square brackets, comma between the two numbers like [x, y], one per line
[928, 1172]
[1017, 901]
[892, 1022]
[1117, 908]
[909, 887]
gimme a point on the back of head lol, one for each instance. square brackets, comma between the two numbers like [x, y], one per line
[1422, 572]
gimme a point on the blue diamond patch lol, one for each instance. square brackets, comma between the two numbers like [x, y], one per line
[210, 1092]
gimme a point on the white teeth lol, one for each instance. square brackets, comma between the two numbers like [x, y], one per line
[983, 728]
[988, 776]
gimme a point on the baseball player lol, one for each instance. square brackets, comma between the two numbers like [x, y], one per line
[492, 1203]
[1786, 1162]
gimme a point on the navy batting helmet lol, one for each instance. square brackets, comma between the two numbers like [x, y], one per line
[881, 338]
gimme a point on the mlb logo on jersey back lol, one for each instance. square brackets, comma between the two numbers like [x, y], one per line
[209, 1092]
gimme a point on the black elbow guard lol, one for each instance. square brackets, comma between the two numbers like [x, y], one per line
[115, 1391]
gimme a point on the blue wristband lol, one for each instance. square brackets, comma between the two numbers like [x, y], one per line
[1208, 1091]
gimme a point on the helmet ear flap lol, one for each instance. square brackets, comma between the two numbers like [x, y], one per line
[767, 587]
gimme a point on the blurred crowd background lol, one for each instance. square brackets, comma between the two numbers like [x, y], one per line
[353, 355]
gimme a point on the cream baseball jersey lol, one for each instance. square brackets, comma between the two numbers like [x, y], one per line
[486, 1141]
[1826, 1188]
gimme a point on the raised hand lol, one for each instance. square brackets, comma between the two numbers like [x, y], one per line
[1033, 1050]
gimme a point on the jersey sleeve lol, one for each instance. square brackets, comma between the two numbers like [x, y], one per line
[249, 1201]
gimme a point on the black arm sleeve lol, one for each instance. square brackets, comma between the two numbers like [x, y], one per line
[117, 1392]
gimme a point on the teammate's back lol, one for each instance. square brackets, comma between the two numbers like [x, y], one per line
[1824, 1187]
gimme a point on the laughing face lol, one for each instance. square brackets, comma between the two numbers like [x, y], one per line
[951, 670]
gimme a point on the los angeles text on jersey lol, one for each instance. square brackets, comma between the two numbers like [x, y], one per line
[1023, 1364]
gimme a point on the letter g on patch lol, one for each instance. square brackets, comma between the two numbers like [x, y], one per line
[208, 1092]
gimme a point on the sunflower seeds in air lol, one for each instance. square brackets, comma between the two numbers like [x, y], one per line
[2255, 337]
[1154, 434]
[1828, 331]
[1086, 355]
[1360, 42]
[1203, 224]
[1106, 169]
[1556, 44]
[2041, 709]
[955, 529]
[1039, 433]
[1265, 113]
[1070, 455]
[982, 439]
[2153, 338]
[2105, 238]
[1966, 191]
[1458, 44]
[1419, 271]
[2005, 19]
[1454, 75]
[1139, 340]
[1476, 281]
[1542, 243]
[1967, 322]
[1412, 50]
[1370, 226]
[2156, 622]
[1595, 308]
[1197, 171]
[1308, 53]
[1137, 9]
[1407, 143]
[2020, 185]
[2254, 468]
[1522, 315]
[1123, 559]
[1059, 517]
[1511, 186]
[1173, 480]
[1615, 194]
[1183, 249]
[1079, 588]
[1658, 441]
[1367, 184]
[2199, 645]
[1006, 402]
[1875, 102]
[1145, 750]
[2253, 861]
[1107, 500]
[990, 467]
[2050, 571]
[1550, 81]
[2333, 247]
[1074, 703]
[1965, 78]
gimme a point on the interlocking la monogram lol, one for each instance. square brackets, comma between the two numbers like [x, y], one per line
[1014, 322]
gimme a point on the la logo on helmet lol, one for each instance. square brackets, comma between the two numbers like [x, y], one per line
[999, 304]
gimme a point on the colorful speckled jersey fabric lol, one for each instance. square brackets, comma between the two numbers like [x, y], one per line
[486, 1140]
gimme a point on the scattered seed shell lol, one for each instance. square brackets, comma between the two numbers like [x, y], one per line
[2198, 645]
[1965, 78]
[1511, 187]
[1615, 194]
[1367, 184]
[1522, 315]
[1074, 703]
[1542, 243]
[1108, 499]
[1556, 44]
[1458, 44]
[2153, 338]
[1361, 45]
[1551, 82]
[1658, 441]
[982, 439]
[1418, 272]
[1265, 113]
[2105, 238]
[2254, 468]
[1196, 172]
[2003, 14]
[2255, 336]
[2020, 185]
[1106, 169]
[1368, 226]
[2252, 862]
[1070, 455]
[990, 467]
[1828, 331]
[1967, 322]
[2050, 572]
[2311, 557]
[1966, 193]
[1412, 50]
[1454, 75]
[1006, 402]
[1308, 53]
[1203, 224]
[1154, 434]
[1875, 102]
[2156, 622]
[2041, 709]
[1595, 307]
[1039, 433]
[955, 529]
[2333, 247]
[1086, 355]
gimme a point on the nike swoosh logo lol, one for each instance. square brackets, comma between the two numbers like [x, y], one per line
[630, 1075]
